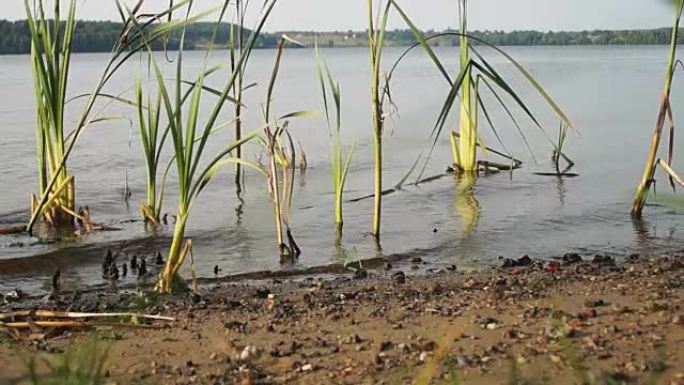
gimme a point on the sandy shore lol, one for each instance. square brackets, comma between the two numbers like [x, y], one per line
[567, 322]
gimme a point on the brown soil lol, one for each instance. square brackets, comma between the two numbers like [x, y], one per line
[570, 322]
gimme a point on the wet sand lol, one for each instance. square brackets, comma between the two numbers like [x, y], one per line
[568, 321]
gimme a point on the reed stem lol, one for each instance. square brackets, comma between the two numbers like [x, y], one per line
[644, 187]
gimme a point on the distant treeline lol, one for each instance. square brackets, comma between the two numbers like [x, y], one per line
[99, 36]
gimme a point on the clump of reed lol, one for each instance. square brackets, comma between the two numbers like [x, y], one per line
[51, 42]
[189, 138]
[282, 155]
[280, 175]
[330, 90]
[474, 72]
[152, 137]
[664, 113]
[51, 47]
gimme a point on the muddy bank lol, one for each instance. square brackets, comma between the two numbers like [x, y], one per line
[574, 320]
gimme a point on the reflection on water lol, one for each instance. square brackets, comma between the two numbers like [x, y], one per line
[642, 229]
[467, 206]
[560, 184]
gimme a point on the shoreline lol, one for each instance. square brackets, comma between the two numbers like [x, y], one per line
[594, 318]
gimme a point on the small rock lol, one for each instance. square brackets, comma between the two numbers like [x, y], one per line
[399, 277]
[249, 352]
[508, 263]
[386, 345]
[571, 259]
[510, 333]
[588, 313]
[603, 260]
[14, 295]
[360, 274]
[591, 303]
[525, 260]
[429, 346]
[424, 356]
[553, 267]
[262, 293]
[470, 283]
[520, 262]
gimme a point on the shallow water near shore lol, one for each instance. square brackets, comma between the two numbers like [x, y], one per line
[611, 94]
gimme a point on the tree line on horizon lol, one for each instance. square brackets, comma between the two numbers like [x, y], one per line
[100, 36]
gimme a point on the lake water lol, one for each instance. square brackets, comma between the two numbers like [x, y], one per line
[610, 93]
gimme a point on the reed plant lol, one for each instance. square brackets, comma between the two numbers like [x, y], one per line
[152, 137]
[189, 138]
[339, 164]
[557, 155]
[82, 364]
[236, 45]
[377, 25]
[664, 113]
[475, 71]
[51, 42]
[154, 134]
[51, 47]
[280, 172]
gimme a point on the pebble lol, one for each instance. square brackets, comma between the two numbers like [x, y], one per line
[360, 274]
[249, 352]
[399, 277]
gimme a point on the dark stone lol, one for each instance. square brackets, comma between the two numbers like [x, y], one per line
[262, 292]
[508, 263]
[360, 274]
[399, 277]
[571, 258]
[524, 261]
[603, 260]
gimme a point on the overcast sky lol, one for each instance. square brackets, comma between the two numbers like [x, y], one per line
[327, 15]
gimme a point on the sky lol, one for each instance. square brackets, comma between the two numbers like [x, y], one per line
[507, 15]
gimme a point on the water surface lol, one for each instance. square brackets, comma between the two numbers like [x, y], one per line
[611, 94]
